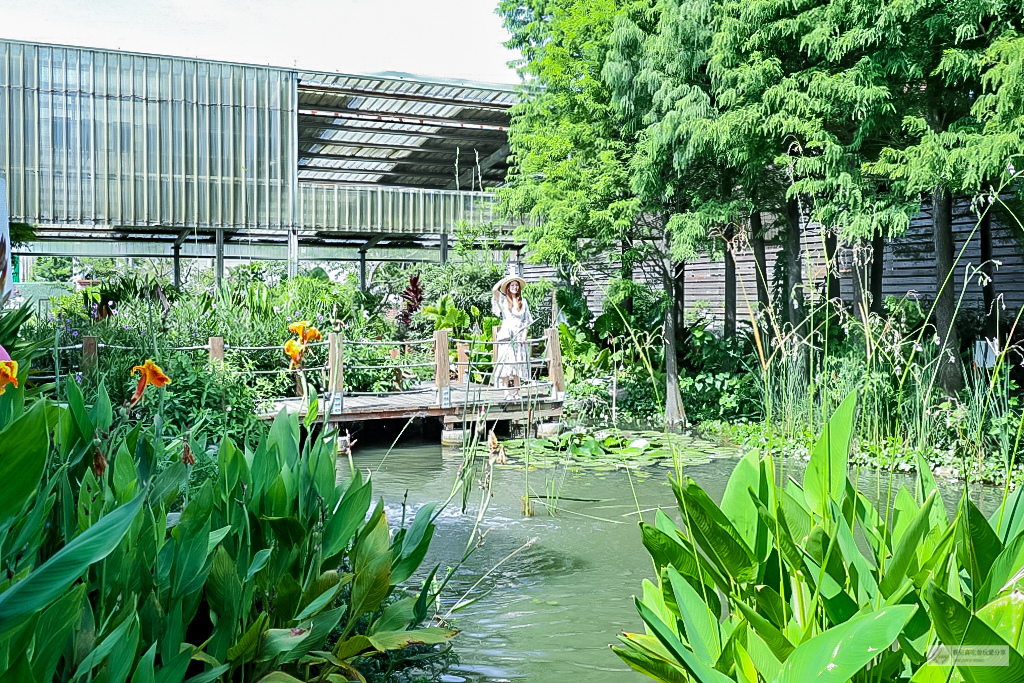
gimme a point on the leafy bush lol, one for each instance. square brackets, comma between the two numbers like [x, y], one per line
[271, 570]
[804, 599]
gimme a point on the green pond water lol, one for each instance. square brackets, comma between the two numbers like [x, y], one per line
[549, 612]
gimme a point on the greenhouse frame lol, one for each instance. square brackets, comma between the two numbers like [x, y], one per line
[110, 153]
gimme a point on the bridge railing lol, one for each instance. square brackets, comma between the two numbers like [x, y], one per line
[463, 370]
[472, 368]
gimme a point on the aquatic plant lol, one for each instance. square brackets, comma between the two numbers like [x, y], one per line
[803, 599]
[272, 570]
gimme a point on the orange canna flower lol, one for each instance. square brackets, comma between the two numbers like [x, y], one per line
[299, 328]
[295, 350]
[8, 374]
[150, 374]
[312, 335]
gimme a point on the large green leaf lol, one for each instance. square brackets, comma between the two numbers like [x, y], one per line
[1005, 616]
[896, 570]
[959, 627]
[396, 640]
[1003, 569]
[736, 503]
[701, 625]
[825, 477]
[714, 533]
[697, 668]
[350, 514]
[651, 665]
[840, 652]
[415, 544]
[23, 448]
[52, 578]
[977, 546]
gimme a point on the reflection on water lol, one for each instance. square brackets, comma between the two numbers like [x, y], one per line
[550, 611]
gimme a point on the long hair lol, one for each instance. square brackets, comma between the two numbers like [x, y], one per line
[517, 303]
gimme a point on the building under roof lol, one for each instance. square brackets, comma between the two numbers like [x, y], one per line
[112, 153]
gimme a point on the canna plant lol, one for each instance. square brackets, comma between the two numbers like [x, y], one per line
[813, 582]
[271, 571]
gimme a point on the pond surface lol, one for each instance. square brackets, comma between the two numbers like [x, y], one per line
[550, 611]
[565, 578]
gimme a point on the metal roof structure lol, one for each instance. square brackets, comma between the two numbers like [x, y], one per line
[184, 156]
[389, 131]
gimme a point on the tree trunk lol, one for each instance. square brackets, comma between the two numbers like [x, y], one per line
[675, 414]
[794, 270]
[832, 289]
[877, 271]
[730, 286]
[626, 273]
[988, 268]
[760, 262]
[949, 373]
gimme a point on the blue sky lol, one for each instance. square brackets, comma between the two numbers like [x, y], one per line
[439, 38]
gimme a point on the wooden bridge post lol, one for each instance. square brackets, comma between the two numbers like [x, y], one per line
[335, 373]
[442, 369]
[216, 349]
[462, 358]
[90, 355]
[554, 353]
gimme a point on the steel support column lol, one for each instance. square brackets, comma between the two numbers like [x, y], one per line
[293, 252]
[219, 258]
[367, 245]
[177, 265]
[444, 247]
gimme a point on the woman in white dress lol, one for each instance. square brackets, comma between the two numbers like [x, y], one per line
[512, 364]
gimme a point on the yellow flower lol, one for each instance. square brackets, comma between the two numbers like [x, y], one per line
[8, 374]
[299, 328]
[150, 373]
[312, 335]
[295, 350]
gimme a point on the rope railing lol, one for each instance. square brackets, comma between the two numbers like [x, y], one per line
[421, 390]
[281, 370]
[277, 347]
[380, 342]
[397, 366]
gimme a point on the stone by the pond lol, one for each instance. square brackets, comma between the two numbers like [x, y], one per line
[547, 430]
[453, 437]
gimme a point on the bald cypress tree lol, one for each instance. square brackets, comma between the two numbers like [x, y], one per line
[571, 151]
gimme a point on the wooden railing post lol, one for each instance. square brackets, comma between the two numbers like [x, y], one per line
[555, 374]
[216, 349]
[90, 355]
[462, 358]
[335, 373]
[442, 370]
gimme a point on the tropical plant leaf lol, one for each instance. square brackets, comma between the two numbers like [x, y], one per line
[825, 477]
[714, 533]
[23, 448]
[52, 578]
[840, 652]
[958, 627]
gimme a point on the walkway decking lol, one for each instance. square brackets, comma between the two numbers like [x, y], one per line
[467, 403]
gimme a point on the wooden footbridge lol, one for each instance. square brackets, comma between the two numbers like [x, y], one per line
[457, 395]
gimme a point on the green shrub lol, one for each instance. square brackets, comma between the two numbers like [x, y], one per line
[271, 566]
[812, 582]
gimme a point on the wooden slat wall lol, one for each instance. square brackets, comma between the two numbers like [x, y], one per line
[909, 267]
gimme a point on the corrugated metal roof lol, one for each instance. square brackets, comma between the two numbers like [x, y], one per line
[414, 133]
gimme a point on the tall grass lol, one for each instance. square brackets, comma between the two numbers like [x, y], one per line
[893, 362]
